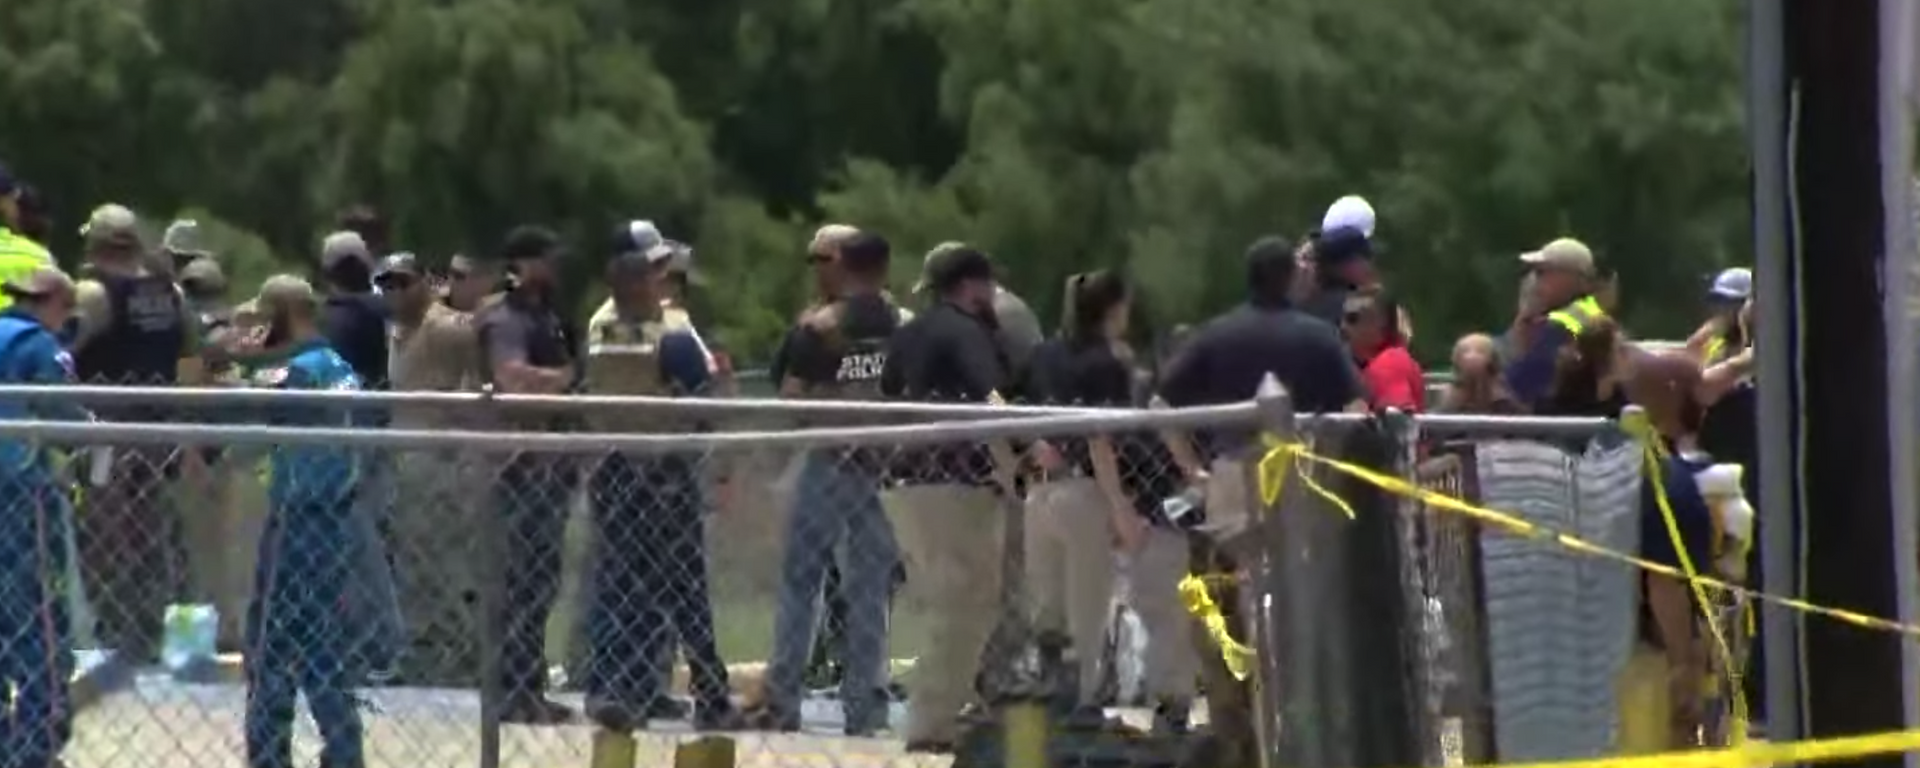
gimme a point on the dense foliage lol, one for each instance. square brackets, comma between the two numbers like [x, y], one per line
[1158, 134]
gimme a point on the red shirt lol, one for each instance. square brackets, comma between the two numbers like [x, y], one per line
[1396, 381]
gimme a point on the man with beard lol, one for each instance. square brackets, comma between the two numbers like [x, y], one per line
[837, 352]
[525, 349]
[433, 348]
[470, 282]
[650, 578]
[131, 329]
[949, 507]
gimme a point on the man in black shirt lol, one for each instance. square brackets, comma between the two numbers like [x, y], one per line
[354, 320]
[950, 520]
[524, 349]
[837, 352]
[129, 328]
[1224, 361]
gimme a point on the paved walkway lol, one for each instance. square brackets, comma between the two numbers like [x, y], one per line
[164, 724]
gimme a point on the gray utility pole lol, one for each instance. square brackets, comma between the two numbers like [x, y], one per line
[1831, 353]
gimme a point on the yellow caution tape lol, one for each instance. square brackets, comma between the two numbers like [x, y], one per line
[1637, 425]
[1238, 657]
[1754, 754]
[1520, 527]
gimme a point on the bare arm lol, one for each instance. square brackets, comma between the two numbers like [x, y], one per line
[506, 351]
[1720, 378]
[92, 313]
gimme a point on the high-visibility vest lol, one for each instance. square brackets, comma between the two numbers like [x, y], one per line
[19, 257]
[1577, 316]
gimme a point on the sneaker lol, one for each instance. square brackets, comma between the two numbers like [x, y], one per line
[534, 709]
[767, 716]
[668, 708]
[615, 715]
[1172, 718]
[717, 716]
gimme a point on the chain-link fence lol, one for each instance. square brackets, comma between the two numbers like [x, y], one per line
[833, 595]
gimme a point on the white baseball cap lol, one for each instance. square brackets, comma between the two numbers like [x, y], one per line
[1350, 212]
[1734, 284]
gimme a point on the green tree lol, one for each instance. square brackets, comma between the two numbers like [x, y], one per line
[1061, 135]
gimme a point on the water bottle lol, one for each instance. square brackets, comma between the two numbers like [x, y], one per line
[99, 466]
[1177, 508]
[187, 648]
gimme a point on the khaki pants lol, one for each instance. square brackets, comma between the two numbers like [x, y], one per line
[1154, 574]
[951, 540]
[1070, 571]
[438, 518]
[221, 518]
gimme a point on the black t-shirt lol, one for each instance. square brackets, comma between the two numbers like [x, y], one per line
[1226, 359]
[1092, 375]
[945, 355]
[812, 358]
[523, 331]
[355, 325]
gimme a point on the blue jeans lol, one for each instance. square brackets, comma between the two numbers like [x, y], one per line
[296, 641]
[35, 660]
[834, 508]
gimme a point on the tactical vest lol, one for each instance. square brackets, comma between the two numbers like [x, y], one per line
[141, 346]
[623, 358]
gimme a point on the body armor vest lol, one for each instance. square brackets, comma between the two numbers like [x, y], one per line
[623, 358]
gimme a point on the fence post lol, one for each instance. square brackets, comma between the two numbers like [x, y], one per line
[1259, 595]
[1329, 614]
[492, 575]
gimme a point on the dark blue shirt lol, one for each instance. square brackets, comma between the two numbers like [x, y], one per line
[31, 354]
[1530, 372]
[355, 325]
[1691, 514]
[312, 474]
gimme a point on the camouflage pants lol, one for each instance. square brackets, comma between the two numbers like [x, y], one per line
[436, 522]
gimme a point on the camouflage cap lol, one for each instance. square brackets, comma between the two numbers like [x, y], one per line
[44, 281]
[283, 292]
[204, 273]
[344, 245]
[112, 225]
[949, 261]
[183, 238]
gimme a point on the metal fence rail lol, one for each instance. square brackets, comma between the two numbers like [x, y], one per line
[455, 574]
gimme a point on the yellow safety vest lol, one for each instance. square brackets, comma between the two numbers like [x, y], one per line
[19, 257]
[1577, 316]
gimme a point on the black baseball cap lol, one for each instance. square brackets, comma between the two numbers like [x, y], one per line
[1342, 244]
[529, 241]
[401, 264]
